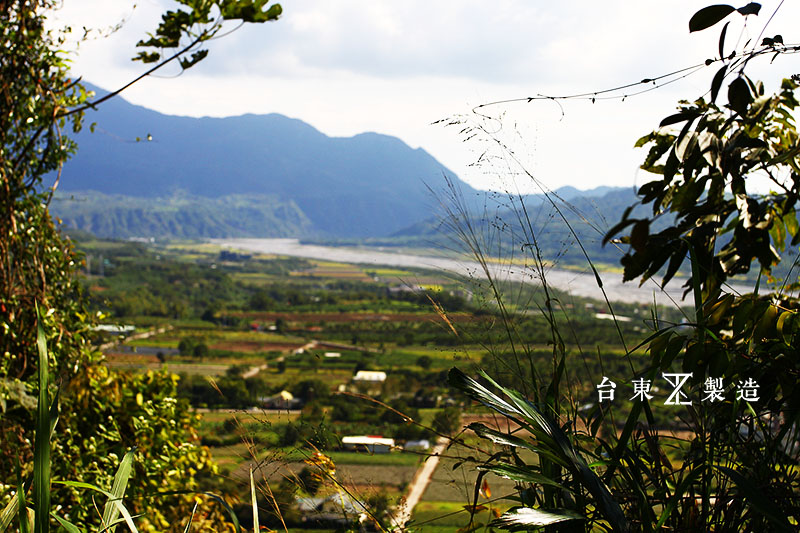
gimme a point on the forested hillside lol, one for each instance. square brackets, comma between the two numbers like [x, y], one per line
[366, 185]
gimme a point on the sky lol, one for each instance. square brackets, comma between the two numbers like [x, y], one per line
[409, 68]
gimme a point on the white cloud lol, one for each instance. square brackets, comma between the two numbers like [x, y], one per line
[395, 66]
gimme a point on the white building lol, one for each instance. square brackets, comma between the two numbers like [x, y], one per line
[367, 443]
[369, 376]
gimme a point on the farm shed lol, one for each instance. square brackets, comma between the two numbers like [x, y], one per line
[368, 443]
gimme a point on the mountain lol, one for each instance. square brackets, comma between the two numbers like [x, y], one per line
[361, 186]
[505, 230]
[181, 216]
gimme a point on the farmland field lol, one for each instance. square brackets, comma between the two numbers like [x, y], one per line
[267, 348]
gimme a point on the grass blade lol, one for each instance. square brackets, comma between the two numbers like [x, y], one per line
[66, 524]
[111, 511]
[189, 524]
[526, 518]
[256, 527]
[677, 497]
[234, 520]
[41, 454]
[128, 518]
[757, 499]
[549, 435]
[7, 515]
[523, 474]
[121, 509]
[22, 509]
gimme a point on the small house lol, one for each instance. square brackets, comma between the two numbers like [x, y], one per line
[369, 376]
[367, 443]
[284, 400]
[418, 445]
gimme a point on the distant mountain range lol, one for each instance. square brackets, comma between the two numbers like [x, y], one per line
[273, 176]
[366, 185]
[502, 228]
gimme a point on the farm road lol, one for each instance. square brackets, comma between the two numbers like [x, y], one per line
[418, 485]
[135, 336]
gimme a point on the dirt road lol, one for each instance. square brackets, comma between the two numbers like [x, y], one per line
[418, 485]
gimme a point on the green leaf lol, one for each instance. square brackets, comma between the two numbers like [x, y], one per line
[619, 226]
[461, 381]
[147, 57]
[111, 511]
[22, 508]
[644, 140]
[708, 16]
[523, 474]
[498, 437]
[781, 326]
[548, 434]
[188, 63]
[525, 518]
[121, 509]
[8, 512]
[66, 524]
[41, 454]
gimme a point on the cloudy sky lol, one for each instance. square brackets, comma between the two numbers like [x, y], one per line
[396, 67]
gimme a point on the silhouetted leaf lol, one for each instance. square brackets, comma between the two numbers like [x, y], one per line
[722, 40]
[639, 234]
[678, 117]
[195, 58]
[708, 16]
[716, 83]
[750, 9]
[739, 96]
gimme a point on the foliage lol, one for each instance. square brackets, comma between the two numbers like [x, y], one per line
[735, 469]
[180, 216]
[447, 421]
[103, 414]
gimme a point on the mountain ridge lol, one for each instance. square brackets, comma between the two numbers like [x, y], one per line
[370, 184]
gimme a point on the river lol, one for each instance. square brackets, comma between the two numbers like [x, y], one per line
[577, 283]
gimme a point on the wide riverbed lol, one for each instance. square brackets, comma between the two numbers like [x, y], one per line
[577, 283]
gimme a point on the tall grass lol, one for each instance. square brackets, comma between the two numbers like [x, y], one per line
[592, 470]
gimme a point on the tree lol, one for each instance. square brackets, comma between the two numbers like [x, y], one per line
[736, 471]
[708, 168]
[102, 413]
[722, 226]
[447, 421]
